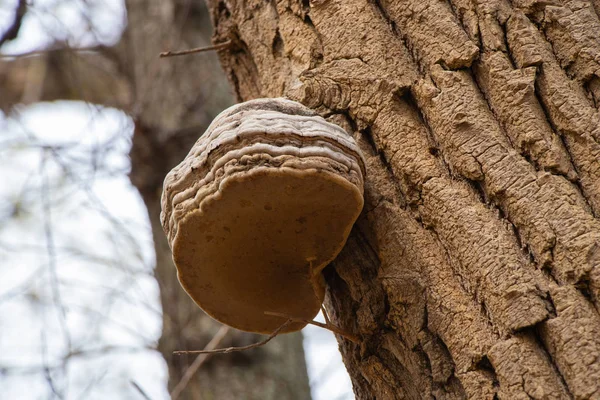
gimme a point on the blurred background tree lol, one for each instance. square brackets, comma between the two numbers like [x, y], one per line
[90, 305]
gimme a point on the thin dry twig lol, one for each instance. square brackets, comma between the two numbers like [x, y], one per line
[219, 46]
[242, 348]
[189, 373]
[328, 326]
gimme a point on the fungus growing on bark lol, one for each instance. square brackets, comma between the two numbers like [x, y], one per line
[263, 202]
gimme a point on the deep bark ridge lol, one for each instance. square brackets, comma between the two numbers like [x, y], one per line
[263, 202]
[474, 270]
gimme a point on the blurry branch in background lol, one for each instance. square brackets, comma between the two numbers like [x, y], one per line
[56, 47]
[72, 64]
[93, 74]
[51, 252]
[140, 390]
[54, 282]
[13, 30]
[65, 298]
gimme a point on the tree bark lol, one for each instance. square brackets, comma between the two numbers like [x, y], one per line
[474, 269]
[172, 101]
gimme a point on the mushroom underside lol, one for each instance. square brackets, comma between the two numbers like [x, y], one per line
[260, 242]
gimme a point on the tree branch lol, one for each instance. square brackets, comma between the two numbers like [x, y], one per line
[88, 74]
[13, 30]
[219, 46]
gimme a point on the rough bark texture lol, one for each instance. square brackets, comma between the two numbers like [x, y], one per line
[172, 101]
[474, 270]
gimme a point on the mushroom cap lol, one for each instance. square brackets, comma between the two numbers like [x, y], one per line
[263, 202]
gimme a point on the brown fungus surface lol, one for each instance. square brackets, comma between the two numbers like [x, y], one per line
[263, 202]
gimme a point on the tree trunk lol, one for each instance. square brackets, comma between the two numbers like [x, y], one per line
[474, 270]
[172, 101]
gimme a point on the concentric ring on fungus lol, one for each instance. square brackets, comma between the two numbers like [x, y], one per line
[263, 202]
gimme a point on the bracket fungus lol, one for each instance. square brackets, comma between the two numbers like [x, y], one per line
[263, 202]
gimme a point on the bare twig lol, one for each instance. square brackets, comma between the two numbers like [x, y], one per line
[219, 46]
[185, 379]
[328, 326]
[242, 348]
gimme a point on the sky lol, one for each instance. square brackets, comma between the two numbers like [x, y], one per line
[76, 252]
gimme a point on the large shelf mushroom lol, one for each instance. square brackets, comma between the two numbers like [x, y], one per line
[263, 202]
